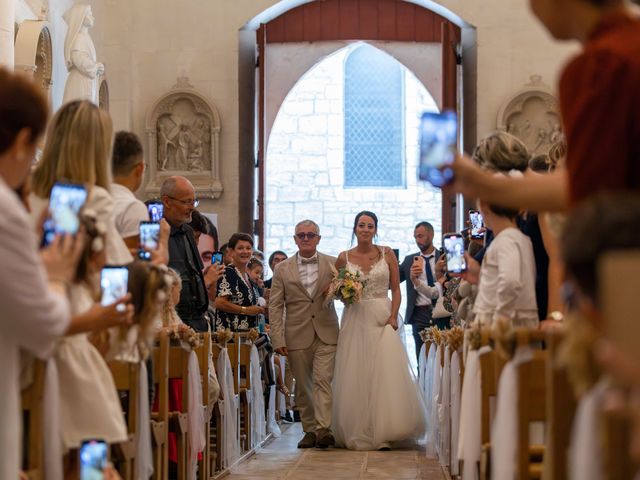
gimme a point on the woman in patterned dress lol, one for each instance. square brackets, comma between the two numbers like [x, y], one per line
[236, 302]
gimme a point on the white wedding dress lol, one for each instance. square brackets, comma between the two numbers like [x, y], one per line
[376, 399]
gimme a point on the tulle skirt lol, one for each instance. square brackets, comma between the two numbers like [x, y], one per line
[376, 398]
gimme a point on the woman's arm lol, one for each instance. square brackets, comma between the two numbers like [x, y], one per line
[341, 262]
[536, 193]
[394, 285]
[226, 305]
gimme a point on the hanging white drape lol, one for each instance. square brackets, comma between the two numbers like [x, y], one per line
[258, 420]
[585, 452]
[272, 425]
[455, 411]
[282, 400]
[144, 451]
[433, 440]
[51, 423]
[228, 410]
[444, 409]
[504, 431]
[195, 416]
[429, 398]
[422, 367]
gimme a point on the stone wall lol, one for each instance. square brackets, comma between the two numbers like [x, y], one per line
[305, 167]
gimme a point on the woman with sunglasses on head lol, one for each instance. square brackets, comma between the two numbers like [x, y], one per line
[236, 300]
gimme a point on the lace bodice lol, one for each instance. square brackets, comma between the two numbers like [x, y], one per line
[377, 279]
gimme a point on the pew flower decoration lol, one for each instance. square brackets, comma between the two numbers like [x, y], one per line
[184, 334]
[346, 286]
[222, 335]
[253, 334]
[473, 336]
[455, 338]
[424, 335]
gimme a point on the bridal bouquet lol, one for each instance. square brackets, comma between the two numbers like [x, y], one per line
[346, 286]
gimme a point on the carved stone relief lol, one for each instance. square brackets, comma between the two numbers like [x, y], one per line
[183, 130]
[533, 116]
[33, 52]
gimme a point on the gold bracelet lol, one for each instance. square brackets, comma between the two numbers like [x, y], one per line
[243, 310]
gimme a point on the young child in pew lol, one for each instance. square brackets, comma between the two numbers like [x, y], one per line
[89, 403]
[506, 287]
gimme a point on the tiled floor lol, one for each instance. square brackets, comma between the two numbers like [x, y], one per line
[282, 460]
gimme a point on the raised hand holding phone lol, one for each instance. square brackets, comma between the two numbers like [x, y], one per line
[454, 250]
[438, 144]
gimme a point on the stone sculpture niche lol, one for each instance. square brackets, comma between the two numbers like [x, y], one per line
[533, 116]
[34, 54]
[183, 130]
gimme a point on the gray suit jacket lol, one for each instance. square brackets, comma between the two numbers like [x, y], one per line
[405, 274]
[295, 317]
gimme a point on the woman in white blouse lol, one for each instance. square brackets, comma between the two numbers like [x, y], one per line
[35, 309]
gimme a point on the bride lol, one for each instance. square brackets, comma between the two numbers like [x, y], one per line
[376, 399]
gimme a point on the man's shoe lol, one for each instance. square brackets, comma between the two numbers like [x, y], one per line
[296, 416]
[325, 438]
[308, 441]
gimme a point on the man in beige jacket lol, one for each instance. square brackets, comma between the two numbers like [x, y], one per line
[306, 330]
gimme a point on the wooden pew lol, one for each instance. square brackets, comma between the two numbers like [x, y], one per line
[217, 423]
[33, 406]
[616, 438]
[160, 419]
[239, 355]
[203, 352]
[126, 378]
[561, 407]
[178, 422]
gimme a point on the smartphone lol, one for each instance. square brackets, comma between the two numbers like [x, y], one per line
[477, 224]
[65, 202]
[113, 283]
[149, 236]
[93, 459]
[156, 211]
[454, 250]
[438, 144]
[216, 258]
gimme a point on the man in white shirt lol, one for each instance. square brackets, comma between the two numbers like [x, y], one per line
[128, 172]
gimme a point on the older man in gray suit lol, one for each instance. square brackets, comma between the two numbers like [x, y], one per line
[305, 329]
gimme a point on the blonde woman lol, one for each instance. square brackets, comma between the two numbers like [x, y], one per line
[78, 150]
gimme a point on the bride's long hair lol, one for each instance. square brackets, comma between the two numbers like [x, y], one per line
[364, 213]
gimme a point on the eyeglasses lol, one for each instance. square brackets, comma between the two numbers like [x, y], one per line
[308, 236]
[193, 203]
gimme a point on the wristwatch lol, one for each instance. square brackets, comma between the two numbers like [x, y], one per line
[556, 315]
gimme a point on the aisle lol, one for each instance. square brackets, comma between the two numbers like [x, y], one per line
[282, 460]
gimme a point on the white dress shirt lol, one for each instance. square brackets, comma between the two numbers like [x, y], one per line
[507, 281]
[308, 271]
[424, 292]
[128, 211]
[32, 318]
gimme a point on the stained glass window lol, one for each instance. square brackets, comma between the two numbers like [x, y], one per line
[373, 120]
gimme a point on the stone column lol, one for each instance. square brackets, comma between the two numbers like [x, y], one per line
[7, 21]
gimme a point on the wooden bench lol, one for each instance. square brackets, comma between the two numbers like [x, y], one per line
[178, 368]
[203, 352]
[126, 378]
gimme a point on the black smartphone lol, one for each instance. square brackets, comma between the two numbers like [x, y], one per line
[454, 250]
[113, 283]
[156, 211]
[65, 202]
[477, 224]
[216, 258]
[94, 455]
[149, 236]
[438, 144]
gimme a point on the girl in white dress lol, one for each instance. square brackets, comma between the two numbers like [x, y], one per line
[376, 398]
[89, 403]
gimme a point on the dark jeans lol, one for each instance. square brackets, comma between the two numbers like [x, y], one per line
[420, 320]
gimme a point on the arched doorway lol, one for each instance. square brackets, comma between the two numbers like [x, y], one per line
[393, 22]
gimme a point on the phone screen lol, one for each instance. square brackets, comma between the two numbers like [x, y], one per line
[93, 459]
[477, 224]
[216, 258]
[149, 236]
[156, 211]
[65, 203]
[438, 140]
[114, 283]
[454, 249]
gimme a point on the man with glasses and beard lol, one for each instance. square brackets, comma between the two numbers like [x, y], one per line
[198, 283]
[306, 330]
